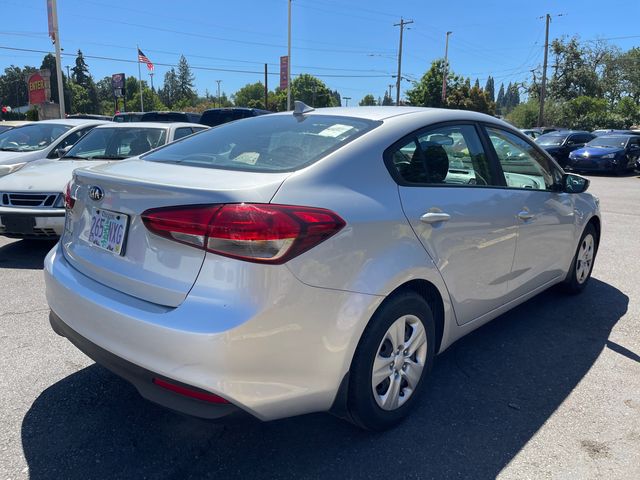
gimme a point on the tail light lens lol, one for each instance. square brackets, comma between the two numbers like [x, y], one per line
[69, 201]
[263, 233]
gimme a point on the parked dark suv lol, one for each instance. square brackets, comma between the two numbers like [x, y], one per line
[217, 116]
[561, 143]
[188, 117]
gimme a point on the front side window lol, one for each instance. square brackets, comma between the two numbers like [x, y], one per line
[450, 155]
[32, 137]
[278, 143]
[523, 166]
[117, 143]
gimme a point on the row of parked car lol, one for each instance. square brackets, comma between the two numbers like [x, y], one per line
[37, 161]
[614, 151]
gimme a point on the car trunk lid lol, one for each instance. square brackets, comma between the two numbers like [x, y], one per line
[150, 267]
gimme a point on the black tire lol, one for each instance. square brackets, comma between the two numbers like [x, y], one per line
[363, 409]
[572, 284]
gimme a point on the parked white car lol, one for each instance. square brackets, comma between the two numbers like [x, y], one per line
[40, 140]
[32, 200]
[312, 260]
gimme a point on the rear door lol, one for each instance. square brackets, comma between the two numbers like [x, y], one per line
[448, 191]
[545, 216]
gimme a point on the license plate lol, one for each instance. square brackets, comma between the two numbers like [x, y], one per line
[107, 230]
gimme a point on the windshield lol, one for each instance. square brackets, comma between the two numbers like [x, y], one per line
[550, 139]
[267, 143]
[608, 141]
[117, 143]
[30, 138]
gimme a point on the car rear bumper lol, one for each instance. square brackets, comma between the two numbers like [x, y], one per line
[38, 223]
[279, 358]
[141, 378]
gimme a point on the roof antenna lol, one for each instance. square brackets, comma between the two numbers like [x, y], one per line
[300, 108]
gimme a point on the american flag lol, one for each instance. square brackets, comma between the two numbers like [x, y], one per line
[143, 58]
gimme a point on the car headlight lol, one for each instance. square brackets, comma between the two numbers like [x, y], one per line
[609, 155]
[7, 169]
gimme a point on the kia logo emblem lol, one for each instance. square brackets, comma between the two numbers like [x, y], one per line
[95, 193]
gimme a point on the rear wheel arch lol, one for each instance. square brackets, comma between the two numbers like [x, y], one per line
[432, 296]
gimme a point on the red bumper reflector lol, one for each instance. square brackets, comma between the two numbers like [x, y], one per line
[187, 392]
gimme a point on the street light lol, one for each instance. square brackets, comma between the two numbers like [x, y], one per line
[346, 100]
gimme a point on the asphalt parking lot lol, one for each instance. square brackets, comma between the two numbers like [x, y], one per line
[549, 390]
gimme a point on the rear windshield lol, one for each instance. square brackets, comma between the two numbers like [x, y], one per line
[609, 141]
[551, 139]
[269, 143]
[214, 118]
[116, 143]
[170, 117]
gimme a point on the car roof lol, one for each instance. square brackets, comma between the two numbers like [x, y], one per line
[426, 114]
[163, 125]
[73, 122]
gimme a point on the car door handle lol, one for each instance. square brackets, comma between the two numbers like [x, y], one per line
[524, 215]
[435, 217]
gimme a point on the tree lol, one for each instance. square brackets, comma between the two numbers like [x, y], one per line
[312, 91]
[427, 92]
[525, 115]
[500, 99]
[251, 95]
[490, 89]
[185, 78]
[477, 84]
[368, 101]
[49, 62]
[13, 86]
[387, 100]
[80, 73]
[169, 93]
[337, 99]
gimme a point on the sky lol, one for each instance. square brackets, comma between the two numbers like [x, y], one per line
[351, 45]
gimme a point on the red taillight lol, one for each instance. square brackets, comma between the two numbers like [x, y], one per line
[248, 231]
[69, 201]
[188, 392]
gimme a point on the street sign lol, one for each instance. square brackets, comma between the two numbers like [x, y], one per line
[38, 84]
[284, 72]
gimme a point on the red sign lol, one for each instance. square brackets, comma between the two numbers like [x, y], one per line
[52, 31]
[37, 89]
[284, 72]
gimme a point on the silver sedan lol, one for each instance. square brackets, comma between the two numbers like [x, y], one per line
[314, 260]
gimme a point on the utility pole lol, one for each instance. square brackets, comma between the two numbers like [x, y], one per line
[313, 98]
[151, 77]
[266, 88]
[399, 79]
[346, 99]
[53, 18]
[289, 60]
[446, 68]
[219, 100]
[544, 71]
[390, 87]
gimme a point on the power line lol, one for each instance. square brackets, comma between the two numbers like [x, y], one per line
[194, 67]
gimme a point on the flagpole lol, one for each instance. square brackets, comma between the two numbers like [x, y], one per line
[140, 79]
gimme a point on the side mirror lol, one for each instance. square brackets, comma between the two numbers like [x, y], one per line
[63, 151]
[572, 183]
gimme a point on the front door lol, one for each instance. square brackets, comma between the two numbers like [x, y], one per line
[545, 216]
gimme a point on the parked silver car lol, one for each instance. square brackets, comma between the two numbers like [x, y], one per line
[39, 140]
[314, 260]
[32, 200]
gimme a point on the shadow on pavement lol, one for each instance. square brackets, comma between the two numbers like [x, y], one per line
[488, 395]
[25, 254]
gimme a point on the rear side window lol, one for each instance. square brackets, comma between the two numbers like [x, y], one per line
[450, 155]
[182, 132]
[279, 143]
